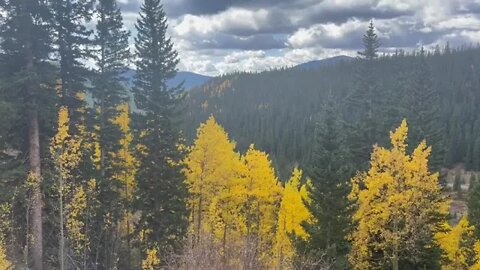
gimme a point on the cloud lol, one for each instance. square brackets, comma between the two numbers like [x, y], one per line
[217, 36]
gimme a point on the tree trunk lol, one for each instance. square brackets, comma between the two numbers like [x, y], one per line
[62, 233]
[395, 263]
[37, 202]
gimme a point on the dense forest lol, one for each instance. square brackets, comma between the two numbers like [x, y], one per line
[441, 88]
[331, 168]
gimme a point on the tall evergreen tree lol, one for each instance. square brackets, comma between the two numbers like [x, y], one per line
[111, 57]
[161, 188]
[330, 174]
[72, 40]
[371, 44]
[474, 205]
[422, 109]
[26, 44]
[367, 103]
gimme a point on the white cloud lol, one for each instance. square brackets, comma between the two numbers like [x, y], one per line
[260, 35]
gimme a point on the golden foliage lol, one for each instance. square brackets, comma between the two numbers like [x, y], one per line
[75, 224]
[5, 264]
[233, 198]
[212, 169]
[458, 246]
[263, 194]
[151, 261]
[292, 214]
[124, 159]
[65, 148]
[397, 200]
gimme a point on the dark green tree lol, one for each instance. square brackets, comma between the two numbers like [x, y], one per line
[73, 40]
[330, 174]
[367, 103]
[27, 73]
[473, 204]
[161, 188]
[422, 109]
[111, 56]
[371, 44]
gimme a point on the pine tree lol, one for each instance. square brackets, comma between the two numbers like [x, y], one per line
[473, 204]
[73, 40]
[371, 43]
[399, 207]
[161, 188]
[330, 173]
[26, 46]
[422, 109]
[367, 104]
[111, 57]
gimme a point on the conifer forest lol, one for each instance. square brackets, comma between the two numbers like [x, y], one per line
[367, 158]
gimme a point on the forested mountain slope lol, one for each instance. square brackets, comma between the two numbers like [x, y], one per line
[278, 109]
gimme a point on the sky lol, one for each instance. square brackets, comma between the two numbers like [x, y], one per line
[215, 37]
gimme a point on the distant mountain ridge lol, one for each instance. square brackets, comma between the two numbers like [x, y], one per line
[324, 62]
[190, 79]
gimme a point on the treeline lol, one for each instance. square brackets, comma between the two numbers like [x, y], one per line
[88, 185]
[438, 91]
[392, 215]
[95, 185]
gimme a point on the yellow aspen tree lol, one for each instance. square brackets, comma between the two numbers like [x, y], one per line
[458, 246]
[125, 168]
[211, 167]
[66, 155]
[262, 197]
[5, 264]
[476, 264]
[124, 159]
[292, 214]
[5, 229]
[399, 206]
[151, 260]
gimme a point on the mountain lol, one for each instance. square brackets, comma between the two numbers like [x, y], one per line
[324, 62]
[277, 110]
[191, 79]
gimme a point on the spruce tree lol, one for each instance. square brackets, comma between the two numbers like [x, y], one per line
[25, 47]
[422, 109]
[161, 188]
[367, 103]
[473, 204]
[73, 39]
[371, 43]
[330, 173]
[111, 57]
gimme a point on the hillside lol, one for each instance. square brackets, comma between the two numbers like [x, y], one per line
[190, 79]
[324, 62]
[277, 110]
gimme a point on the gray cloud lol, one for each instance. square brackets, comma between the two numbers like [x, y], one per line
[210, 33]
[208, 7]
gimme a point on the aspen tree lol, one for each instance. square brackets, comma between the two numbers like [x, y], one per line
[292, 214]
[212, 165]
[263, 194]
[399, 206]
[458, 245]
